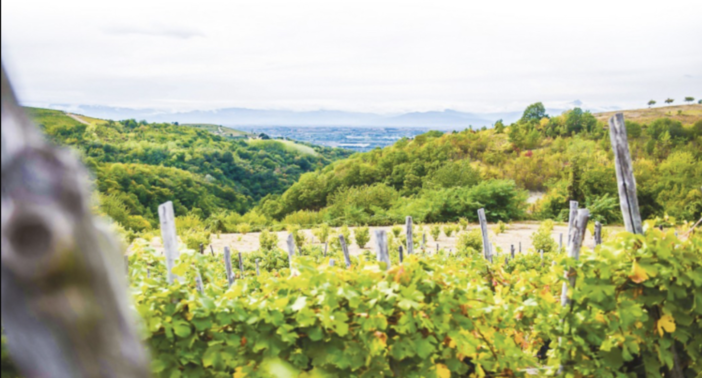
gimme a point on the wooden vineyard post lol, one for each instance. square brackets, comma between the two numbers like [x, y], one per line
[437, 247]
[199, 284]
[202, 249]
[574, 245]
[228, 266]
[628, 201]
[598, 233]
[290, 242]
[424, 241]
[326, 247]
[331, 262]
[410, 239]
[345, 250]
[576, 242]
[626, 183]
[212, 250]
[512, 251]
[571, 219]
[401, 256]
[381, 238]
[241, 265]
[65, 308]
[169, 237]
[258, 270]
[520, 247]
[487, 250]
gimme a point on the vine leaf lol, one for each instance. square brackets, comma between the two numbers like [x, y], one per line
[638, 274]
[666, 323]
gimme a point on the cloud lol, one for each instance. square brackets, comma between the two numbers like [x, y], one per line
[175, 32]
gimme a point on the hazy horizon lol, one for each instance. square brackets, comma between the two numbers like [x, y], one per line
[389, 57]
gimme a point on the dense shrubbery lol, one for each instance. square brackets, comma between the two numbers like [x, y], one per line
[439, 315]
[141, 165]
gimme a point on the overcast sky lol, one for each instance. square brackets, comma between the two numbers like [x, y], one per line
[380, 56]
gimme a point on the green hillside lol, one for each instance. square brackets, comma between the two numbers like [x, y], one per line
[441, 177]
[219, 130]
[139, 165]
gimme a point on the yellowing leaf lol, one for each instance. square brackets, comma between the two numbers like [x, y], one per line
[600, 318]
[239, 373]
[442, 371]
[638, 274]
[666, 323]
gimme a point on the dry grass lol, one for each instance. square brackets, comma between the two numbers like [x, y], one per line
[687, 114]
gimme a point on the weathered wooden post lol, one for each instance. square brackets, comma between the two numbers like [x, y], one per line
[571, 219]
[326, 247]
[576, 242]
[628, 201]
[512, 250]
[410, 238]
[290, 242]
[169, 237]
[198, 283]
[520, 247]
[487, 250]
[598, 233]
[424, 241]
[202, 249]
[381, 239]
[228, 266]
[626, 183]
[65, 308]
[241, 265]
[345, 251]
[574, 245]
[401, 257]
[212, 250]
[258, 270]
[331, 262]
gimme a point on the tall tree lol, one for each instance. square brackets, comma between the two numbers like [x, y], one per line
[651, 103]
[534, 113]
[689, 99]
[669, 101]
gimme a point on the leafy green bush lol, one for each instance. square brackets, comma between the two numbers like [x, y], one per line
[397, 230]
[448, 230]
[267, 240]
[362, 236]
[500, 228]
[435, 232]
[322, 233]
[542, 239]
[472, 239]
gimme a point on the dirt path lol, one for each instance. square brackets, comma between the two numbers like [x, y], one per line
[77, 118]
[516, 233]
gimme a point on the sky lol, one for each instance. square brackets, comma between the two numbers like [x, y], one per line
[367, 56]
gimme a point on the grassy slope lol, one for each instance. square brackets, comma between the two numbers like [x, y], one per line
[286, 145]
[215, 129]
[689, 114]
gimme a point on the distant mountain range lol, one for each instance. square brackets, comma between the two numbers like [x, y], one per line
[233, 117]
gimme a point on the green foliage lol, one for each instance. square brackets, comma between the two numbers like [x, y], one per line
[243, 228]
[140, 165]
[322, 233]
[542, 239]
[362, 236]
[500, 228]
[534, 113]
[7, 367]
[193, 231]
[397, 230]
[435, 232]
[449, 229]
[471, 240]
[267, 240]
[463, 222]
